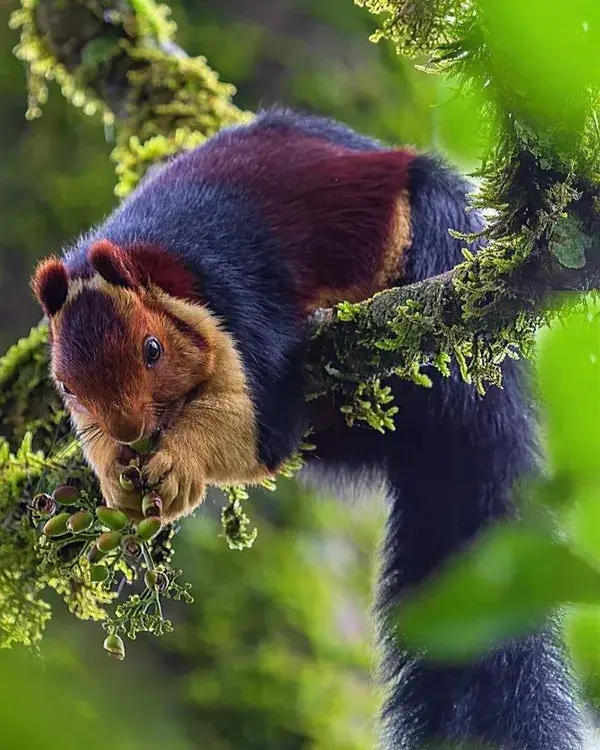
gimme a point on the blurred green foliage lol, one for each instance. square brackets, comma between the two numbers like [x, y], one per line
[274, 651]
[545, 59]
[59, 704]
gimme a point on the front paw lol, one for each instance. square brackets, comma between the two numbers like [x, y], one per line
[106, 460]
[180, 484]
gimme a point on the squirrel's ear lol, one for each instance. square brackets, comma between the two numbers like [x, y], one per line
[113, 264]
[50, 285]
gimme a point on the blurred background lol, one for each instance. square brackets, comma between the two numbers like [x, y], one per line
[275, 652]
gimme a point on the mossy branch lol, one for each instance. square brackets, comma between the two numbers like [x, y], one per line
[118, 57]
[402, 330]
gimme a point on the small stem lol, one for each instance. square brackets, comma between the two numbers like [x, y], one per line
[150, 563]
[147, 557]
[121, 586]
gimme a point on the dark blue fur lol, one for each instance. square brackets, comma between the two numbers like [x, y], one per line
[450, 465]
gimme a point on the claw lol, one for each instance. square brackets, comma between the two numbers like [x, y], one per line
[157, 468]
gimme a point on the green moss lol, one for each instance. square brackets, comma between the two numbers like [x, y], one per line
[174, 104]
[371, 404]
[235, 522]
[153, 20]
[42, 65]
[28, 401]
[30, 349]
[168, 101]
[417, 26]
[24, 613]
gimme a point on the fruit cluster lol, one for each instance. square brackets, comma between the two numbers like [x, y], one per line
[105, 547]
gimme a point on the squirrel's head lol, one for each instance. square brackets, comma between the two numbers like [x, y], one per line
[127, 350]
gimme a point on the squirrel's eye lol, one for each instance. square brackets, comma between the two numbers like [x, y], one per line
[66, 390]
[152, 350]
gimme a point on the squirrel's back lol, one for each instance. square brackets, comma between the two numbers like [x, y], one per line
[306, 208]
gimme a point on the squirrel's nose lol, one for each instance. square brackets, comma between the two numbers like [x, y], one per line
[126, 432]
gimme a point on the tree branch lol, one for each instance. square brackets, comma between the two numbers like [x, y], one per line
[403, 329]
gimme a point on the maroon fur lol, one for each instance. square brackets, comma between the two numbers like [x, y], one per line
[107, 334]
[348, 196]
[50, 285]
[164, 270]
[138, 265]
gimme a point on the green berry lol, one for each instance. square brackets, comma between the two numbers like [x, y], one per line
[99, 573]
[114, 519]
[126, 483]
[43, 504]
[151, 504]
[115, 646]
[57, 526]
[80, 521]
[148, 528]
[131, 478]
[66, 495]
[108, 541]
[151, 579]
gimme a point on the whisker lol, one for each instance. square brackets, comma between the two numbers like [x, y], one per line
[86, 430]
[90, 437]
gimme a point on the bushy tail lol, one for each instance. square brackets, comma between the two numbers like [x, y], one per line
[452, 466]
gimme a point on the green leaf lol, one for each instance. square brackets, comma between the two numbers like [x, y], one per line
[502, 588]
[582, 633]
[569, 379]
[582, 520]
